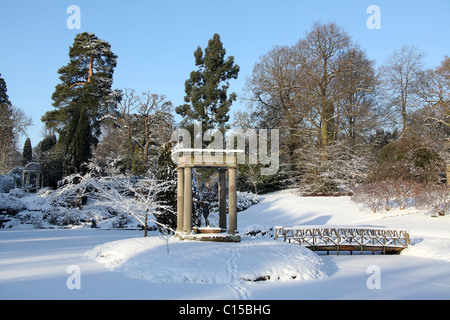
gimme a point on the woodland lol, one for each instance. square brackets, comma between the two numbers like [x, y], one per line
[346, 127]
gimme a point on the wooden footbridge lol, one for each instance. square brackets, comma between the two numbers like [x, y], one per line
[346, 239]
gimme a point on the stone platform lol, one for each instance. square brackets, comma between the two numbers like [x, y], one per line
[215, 236]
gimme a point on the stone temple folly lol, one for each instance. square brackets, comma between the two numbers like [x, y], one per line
[224, 161]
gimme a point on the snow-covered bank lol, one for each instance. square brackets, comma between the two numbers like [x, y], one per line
[430, 236]
[124, 265]
[212, 263]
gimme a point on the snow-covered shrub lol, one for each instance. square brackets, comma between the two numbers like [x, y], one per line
[369, 194]
[17, 193]
[381, 194]
[334, 170]
[258, 231]
[74, 190]
[16, 174]
[245, 200]
[7, 183]
[13, 205]
[62, 218]
[30, 217]
[435, 197]
[403, 192]
[121, 221]
[45, 192]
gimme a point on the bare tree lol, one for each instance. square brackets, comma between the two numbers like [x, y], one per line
[316, 89]
[13, 123]
[319, 92]
[400, 76]
[155, 113]
[356, 112]
[126, 108]
[436, 93]
[146, 123]
[320, 64]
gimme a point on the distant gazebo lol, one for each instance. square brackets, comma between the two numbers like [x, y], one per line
[222, 160]
[32, 177]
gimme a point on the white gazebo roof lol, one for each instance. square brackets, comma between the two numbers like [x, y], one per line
[33, 167]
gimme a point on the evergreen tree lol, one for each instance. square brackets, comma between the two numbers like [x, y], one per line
[166, 196]
[27, 153]
[206, 90]
[78, 147]
[51, 158]
[48, 143]
[82, 98]
[4, 99]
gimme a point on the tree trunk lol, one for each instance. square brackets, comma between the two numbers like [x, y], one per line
[147, 141]
[145, 224]
[91, 69]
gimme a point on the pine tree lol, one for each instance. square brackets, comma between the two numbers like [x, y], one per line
[206, 90]
[82, 98]
[27, 153]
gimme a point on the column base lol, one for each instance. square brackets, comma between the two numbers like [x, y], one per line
[210, 237]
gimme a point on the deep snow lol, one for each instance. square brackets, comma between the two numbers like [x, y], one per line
[115, 264]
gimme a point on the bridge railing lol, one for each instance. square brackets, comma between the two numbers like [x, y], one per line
[346, 238]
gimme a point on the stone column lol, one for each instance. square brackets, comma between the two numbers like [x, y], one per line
[180, 199]
[187, 206]
[232, 201]
[27, 182]
[222, 199]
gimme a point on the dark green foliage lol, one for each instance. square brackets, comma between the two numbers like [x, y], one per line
[206, 90]
[4, 99]
[27, 153]
[166, 196]
[82, 98]
[48, 143]
[6, 129]
[78, 142]
[51, 158]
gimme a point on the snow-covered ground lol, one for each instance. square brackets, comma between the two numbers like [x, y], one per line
[89, 263]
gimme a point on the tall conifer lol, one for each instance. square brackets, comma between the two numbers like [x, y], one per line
[207, 98]
[82, 98]
[27, 153]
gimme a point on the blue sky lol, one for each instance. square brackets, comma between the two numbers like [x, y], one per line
[155, 40]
